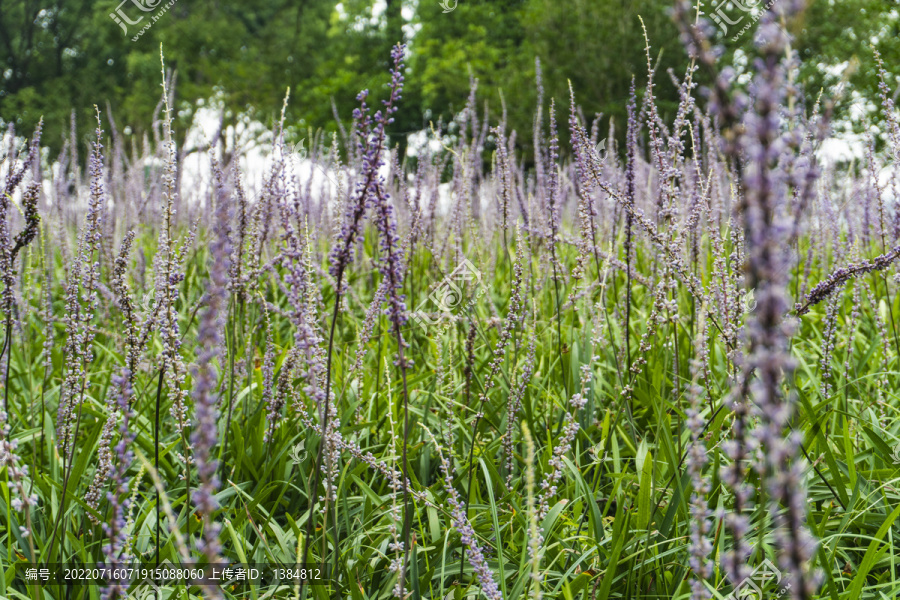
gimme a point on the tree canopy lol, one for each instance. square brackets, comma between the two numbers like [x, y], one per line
[244, 54]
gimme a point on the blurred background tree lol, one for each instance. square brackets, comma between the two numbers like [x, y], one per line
[241, 55]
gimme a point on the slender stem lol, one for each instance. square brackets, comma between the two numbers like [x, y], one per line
[407, 513]
[159, 386]
[43, 412]
[601, 279]
[462, 556]
[628, 303]
[245, 337]
[468, 388]
[7, 347]
[887, 293]
[562, 368]
[315, 488]
[69, 459]
[231, 353]
[187, 486]
[559, 342]
[887, 289]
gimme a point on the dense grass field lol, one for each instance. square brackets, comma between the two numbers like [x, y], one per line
[660, 368]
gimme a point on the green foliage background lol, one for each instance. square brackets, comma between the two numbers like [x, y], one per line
[55, 55]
